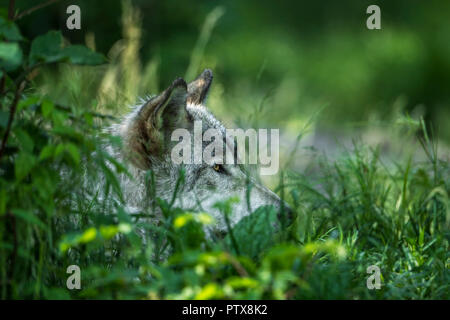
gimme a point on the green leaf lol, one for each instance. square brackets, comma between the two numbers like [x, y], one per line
[10, 56]
[29, 217]
[47, 108]
[82, 55]
[47, 152]
[74, 239]
[69, 132]
[59, 149]
[47, 48]
[28, 102]
[58, 118]
[9, 31]
[23, 164]
[88, 236]
[109, 232]
[189, 231]
[24, 139]
[255, 232]
[281, 257]
[73, 152]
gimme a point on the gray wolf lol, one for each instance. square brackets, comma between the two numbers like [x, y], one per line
[146, 145]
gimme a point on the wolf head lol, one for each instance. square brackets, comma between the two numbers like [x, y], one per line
[147, 145]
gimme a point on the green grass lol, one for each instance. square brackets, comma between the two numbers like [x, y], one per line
[352, 211]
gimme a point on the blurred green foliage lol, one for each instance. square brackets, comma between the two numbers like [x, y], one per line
[303, 54]
[351, 212]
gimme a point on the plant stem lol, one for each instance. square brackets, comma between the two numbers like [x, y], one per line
[12, 112]
[10, 17]
[230, 232]
[11, 9]
[31, 10]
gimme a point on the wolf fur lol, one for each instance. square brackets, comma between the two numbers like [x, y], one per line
[146, 136]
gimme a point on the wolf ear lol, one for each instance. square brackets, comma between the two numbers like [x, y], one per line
[154, 122]
[198, 89]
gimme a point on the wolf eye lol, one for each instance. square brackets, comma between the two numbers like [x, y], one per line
[219, 168]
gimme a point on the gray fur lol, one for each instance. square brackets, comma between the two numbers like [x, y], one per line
[203, 185]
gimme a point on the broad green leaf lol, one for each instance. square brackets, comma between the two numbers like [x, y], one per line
[25, 140]
[47, 152]
[58, 118]
[9, 31]
[209, 291]
[182, 220]
[74, 153]
[189, 231]
[67, 131]
[59, 149]
[242, 282]
[82, 55]
[108, 232]
[10, 56]
[47, 48]
[255, 232]
[23, 164]
[25, 103]
[281, 257]
[47, 108]
[88, 236]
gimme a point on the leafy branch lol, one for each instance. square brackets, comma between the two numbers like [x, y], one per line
[45, 49]
[33, 9]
